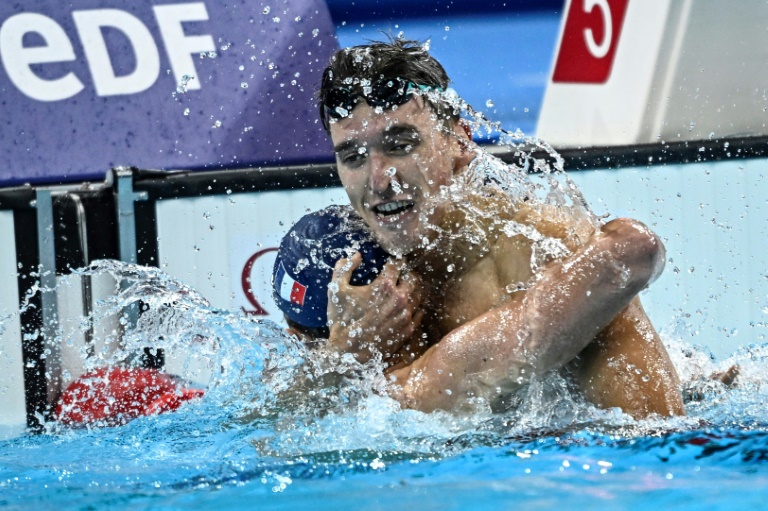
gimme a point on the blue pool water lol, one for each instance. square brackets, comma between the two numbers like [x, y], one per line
[247, 446]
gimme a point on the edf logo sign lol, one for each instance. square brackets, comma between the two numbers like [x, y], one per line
[29, 40]
[590, 38]
[86, 85]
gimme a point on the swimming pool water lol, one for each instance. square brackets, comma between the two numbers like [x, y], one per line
[178, 466]
[346, 447]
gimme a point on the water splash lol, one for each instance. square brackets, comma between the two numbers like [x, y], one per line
[278, 417]
[276, 412]
[530, 183]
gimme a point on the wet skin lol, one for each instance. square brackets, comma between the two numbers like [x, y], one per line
[392, 165]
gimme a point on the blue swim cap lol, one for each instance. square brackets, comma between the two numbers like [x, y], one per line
[307, 255]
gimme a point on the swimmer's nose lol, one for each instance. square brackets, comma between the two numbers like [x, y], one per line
[382, 173]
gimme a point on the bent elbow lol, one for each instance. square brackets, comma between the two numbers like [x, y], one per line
[637, 249]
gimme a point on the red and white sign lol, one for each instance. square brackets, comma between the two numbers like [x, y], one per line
[248, 282]
[590, 37]
[607, 78]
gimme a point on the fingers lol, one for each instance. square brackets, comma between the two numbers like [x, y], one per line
[383, 314]
[391, 270]
[417, 318]
[406, 321]
[342, 272]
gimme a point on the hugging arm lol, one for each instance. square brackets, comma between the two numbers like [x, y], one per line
[627, 365]
[378, 318]
[541, 329]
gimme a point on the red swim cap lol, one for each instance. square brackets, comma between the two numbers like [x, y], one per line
[115, 396]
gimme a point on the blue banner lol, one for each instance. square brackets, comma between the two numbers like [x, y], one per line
[90, 84]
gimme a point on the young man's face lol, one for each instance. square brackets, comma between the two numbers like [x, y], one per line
[392, 164]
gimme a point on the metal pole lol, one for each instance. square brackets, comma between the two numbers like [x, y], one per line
[126, 213]
[85, 280]
[47, 283]
[126, 226]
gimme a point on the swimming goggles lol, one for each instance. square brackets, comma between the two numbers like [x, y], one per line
[384, 93]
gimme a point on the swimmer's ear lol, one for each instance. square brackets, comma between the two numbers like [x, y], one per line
[464, 135]
[294, 332]
[465, 127]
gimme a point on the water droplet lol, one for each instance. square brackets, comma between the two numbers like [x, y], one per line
[450, 268]
[266, 10]
[186, 111]
[182, 87]
[243, 85]
[489, 103]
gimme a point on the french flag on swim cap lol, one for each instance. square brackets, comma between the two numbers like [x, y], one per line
[292, 291]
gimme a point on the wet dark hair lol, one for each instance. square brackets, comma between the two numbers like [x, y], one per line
[368, 63]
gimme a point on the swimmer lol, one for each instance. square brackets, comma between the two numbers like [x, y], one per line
[397, 151]
[302, 273]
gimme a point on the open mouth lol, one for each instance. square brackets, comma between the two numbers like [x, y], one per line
[391, 210]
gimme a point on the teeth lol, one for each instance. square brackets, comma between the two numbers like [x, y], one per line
[392, 207]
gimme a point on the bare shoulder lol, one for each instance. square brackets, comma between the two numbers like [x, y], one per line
[559, 222]
[531, 236]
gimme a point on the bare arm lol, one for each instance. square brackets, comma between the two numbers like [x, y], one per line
[627, 366]
[539, 330]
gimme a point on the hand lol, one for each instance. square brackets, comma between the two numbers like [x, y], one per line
[381, 316]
